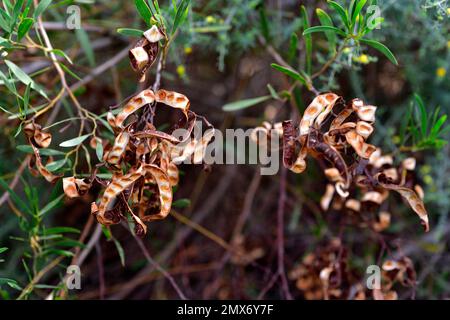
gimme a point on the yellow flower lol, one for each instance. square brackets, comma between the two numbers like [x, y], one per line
[448, 11]
[210, 19]
[187, 50]
[428, 179]
[181, 70]
[448, 44]
[364, 59]
[441, 72]
[347, 50]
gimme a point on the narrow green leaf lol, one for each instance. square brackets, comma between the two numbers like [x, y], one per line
[85, 43]
[144, 11]
[62, 54]
[44, 151]
[180, 15]
[19, 202]
[291, 73]
[264, 24]
[437, 126]
[10, 282]
[3, 249]
[24, 78]
[181, 203]
[382, 48]
[325, 20]
[55, 165]
[324, 29]
[242, 104]
[130, 32]
[51, 205]
[24, 27]
[273, 93]
[308, 40]
[42, 6]
[423, 115]
[120, 251]
[75, 141]
[293, 45]
[359, 5]
[99, 150]
[60, 230]
[341, 11]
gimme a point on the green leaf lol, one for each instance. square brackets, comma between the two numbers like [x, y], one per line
[324, 29]
[85, 43]
[423, 115]
[62, 54]
[44, 151]
[242, 104]
[99, 150]
[308, 40]
[341, 11]
[75, 141]
[437, 126]
[24, 78]
[273, 93]
[144, 11]
[181, 203]
[24, 27]
[358, 8]
[19, 202]
[58, 252]
[73, 74]
[55, 165]
[325, 20]
[291, 73]
[10, 282]
[382, 48]
[130, 32]
[180, 15]
[69, 243]
[52, 204]
[3, 249]
[42, 6]
[16, 11]
[293, 45]
[264, 24]
[59, 230]
[120, 251]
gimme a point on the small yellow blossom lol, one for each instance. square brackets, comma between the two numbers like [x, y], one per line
[347, 50]
[448, 44]
[210, 19]
[396, 139]
[425, 169]
[364, 59]
[441, 72]
[428, 179]
[448, 11]
[181, 70]
[187, 50]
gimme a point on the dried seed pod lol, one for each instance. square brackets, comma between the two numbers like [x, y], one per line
[139, 58]
[145, 97]
[327, 197]
[364, 129]
[173, 99]
[118, 149]
[165, 192]
[364, 112]
[372, 196]
[411, 197]
[333, 174]
[321, 103]
[154, 34]
[364, 150]
[353, 204]
[74, 188]
[383, 223]
[50, 177]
